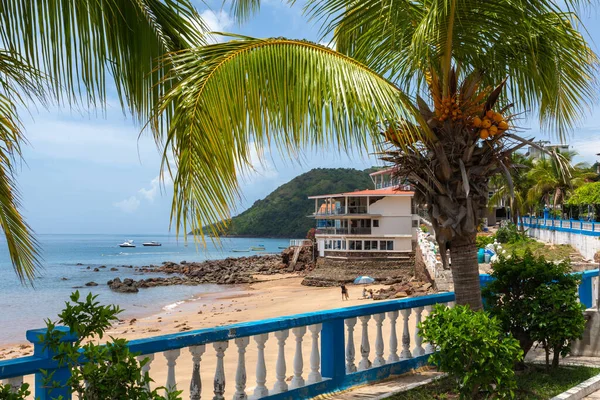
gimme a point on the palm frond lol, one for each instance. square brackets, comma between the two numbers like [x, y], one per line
[17, 79]
[249, 92]
[81, 44]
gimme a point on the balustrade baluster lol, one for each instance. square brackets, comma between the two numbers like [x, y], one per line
[393, 357]
[365, 348]
[405, 334]
[261, 369]
[298, 380]
[219, 383]
[240, 375]
[171, 356]
[196, 382]
[350, 367]
[418, 350]
[315, 358]
[146, 367]
[379, 348]
[280, 384]
[429, 347]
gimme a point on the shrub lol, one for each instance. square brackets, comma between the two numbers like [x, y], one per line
[536, 300]
[107, 371]
[483, 240]
[22, 393]
[473, 350]
[511, 234]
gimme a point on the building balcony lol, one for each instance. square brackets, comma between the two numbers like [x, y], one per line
[344, 231]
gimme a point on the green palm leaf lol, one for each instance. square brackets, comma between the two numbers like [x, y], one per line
[232, 96]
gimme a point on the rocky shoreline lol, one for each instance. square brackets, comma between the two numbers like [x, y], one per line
[228, 271]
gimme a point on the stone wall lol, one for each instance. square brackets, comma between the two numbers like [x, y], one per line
[335, 271]
[587, 245]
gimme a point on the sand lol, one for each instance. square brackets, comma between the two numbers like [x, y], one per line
[278, 295]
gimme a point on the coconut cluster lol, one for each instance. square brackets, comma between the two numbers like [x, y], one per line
[492, 124]
[449, 110]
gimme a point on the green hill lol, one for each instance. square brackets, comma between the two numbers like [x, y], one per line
[284, 212]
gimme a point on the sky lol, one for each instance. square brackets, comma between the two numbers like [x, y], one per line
[94, 173]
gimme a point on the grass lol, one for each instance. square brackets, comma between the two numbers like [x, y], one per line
[557, 252]
[535, 383]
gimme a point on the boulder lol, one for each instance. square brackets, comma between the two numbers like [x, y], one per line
[91, 284]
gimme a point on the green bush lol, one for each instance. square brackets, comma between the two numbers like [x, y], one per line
[511, 234]
[483, 240]
[473, 349]
[107, 371]
[536, 301]
[22, 393]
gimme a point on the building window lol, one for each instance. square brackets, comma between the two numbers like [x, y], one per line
[374, 244]
[358, 245]
[390, 245]
[375, 223]
[367, 245]
[382, 245]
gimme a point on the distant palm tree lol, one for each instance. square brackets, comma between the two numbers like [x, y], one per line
[552, 182]
[521, 182]
[426, 75]
[66, 51]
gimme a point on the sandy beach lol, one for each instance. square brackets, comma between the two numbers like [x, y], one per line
[276, 295]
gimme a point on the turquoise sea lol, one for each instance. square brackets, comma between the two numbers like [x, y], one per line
[23, 307]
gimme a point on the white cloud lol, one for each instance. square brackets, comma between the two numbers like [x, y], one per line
[150, 193]
[128, 205]
[217, 22]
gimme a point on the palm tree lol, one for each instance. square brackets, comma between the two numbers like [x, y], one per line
[424, 73]
[553, 183]
[66, 51]
[521, 182]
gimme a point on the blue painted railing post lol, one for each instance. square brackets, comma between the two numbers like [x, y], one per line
[585, 291]
[57, 385]
[333, 355]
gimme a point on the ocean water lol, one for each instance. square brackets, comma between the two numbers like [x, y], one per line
[23, 307]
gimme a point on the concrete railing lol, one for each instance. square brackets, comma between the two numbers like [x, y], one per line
[590, 228]
[329, 338]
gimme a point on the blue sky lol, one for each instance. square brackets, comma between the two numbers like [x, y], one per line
[90, 173]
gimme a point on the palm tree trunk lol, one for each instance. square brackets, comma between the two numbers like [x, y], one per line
[465, 271]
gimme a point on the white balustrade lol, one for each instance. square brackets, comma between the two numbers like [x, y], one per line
[261, 369]
[298, 380]
[280, 384]
[196, 382]
[15, 383]
[405, 335]
[171, 356]
[393, 357]
[146, 367]
[219, 383]
[365, 348]
[429, 347]
[379, 360]
[350, 367]
[418, 350]
[240, 375]
[315, 358]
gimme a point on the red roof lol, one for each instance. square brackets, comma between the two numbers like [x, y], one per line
[391, 191]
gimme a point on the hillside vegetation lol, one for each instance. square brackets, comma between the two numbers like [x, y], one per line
[284, 213]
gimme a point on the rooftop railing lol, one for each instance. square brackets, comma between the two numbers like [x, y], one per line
[323, 352]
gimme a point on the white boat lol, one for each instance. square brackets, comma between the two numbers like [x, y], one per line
[128, 243]
[151, 244]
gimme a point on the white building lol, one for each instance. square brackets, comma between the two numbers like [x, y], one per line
[367, 223]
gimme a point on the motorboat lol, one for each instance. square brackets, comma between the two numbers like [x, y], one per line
[258, 248]
[152, 244]
[128, 243]
[240, 250]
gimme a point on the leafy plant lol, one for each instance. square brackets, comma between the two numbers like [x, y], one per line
[511, 234]
[484, 240]
[6, 392]
[107, 371]
[473, 349]
[536, 300]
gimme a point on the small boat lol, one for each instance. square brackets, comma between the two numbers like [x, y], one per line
[258, 248]
[128, 243]
[282, 247]
[241, 250]
[152, 244]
